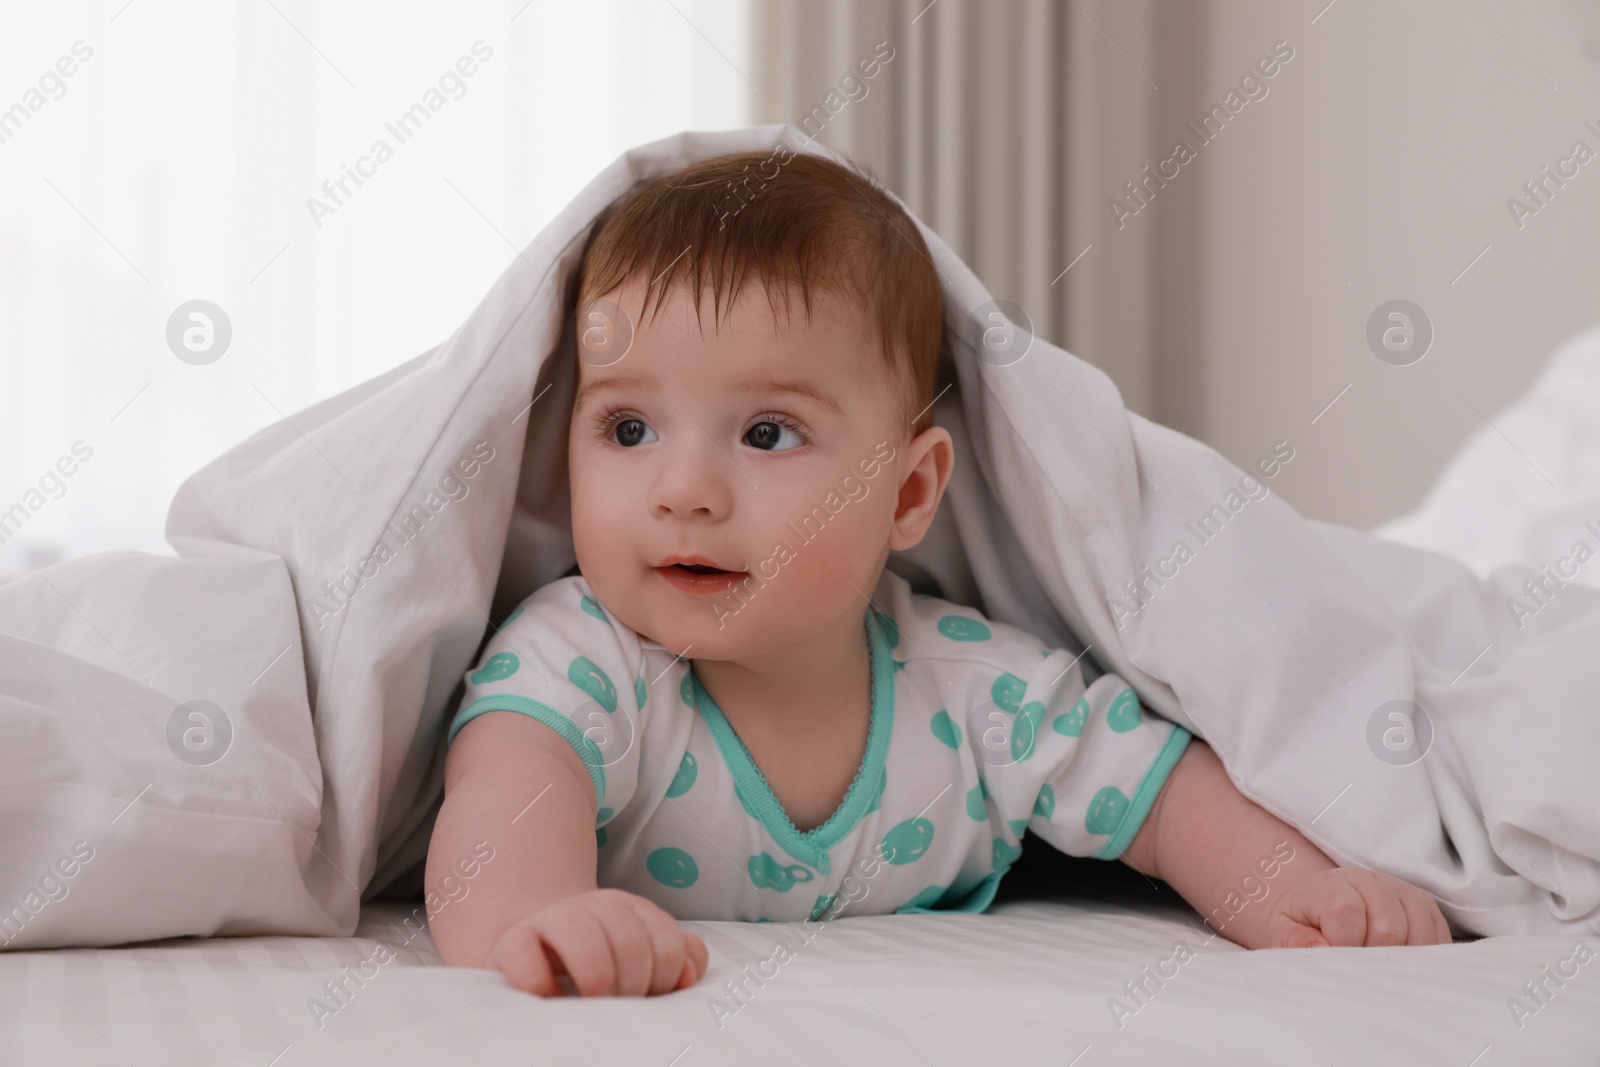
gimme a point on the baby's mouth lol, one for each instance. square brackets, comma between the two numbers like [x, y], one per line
[700, 579]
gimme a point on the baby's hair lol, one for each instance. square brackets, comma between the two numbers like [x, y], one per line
[793, 220]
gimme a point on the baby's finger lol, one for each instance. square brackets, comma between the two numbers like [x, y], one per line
[667, 945]
[1386, 916]
[668, 955]
[692, 970]
[632, 948]
[1299, 935]
[1422, 918]
[698, 955]
[519, 955]
[1340, 913]
[580, 942]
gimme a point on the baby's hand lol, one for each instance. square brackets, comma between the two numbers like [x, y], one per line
[611, 942]
[1349, 906]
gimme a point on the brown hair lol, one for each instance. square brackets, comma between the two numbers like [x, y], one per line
[792, 219]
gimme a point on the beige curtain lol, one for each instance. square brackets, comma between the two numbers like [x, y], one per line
[1007, 126]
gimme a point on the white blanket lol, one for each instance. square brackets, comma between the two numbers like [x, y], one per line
[337, 571]
[1525, 486]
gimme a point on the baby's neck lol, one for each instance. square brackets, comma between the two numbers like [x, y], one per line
[820, 682]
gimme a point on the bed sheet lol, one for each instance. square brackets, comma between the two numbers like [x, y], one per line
[1033, 981]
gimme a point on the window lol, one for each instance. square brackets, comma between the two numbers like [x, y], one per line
[184, 158]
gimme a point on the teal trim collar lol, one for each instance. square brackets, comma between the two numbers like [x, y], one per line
[1145, 797]
[811, 846]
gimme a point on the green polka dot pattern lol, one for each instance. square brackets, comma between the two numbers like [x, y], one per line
[1123, 714]
[767, 873]
[1106, 811]
[1071, 723]
[1007, 692]
[683, 781]
[1045, 803]
[907, 841]
[497, 668]
[975, 805]
[587, 675]
[961, 628]
[672, 867]
[1025, 731]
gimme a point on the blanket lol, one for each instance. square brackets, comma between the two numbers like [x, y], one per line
[247, 737]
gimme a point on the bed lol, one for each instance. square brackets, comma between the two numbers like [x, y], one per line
[1078, 962]
[1074, 964]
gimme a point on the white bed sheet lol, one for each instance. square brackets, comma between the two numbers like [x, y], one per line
[1030, 982]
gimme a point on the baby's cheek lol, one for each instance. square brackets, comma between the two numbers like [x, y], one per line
[832, 565]
[607, 557]
[600, 529]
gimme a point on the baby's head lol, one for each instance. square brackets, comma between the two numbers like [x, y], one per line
[786, 438]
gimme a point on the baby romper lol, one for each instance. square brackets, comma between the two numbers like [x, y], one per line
[977, 733]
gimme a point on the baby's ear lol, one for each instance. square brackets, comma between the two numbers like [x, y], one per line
[927, 462]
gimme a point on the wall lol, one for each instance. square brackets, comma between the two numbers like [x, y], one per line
[1234, 306]
[1378, 168]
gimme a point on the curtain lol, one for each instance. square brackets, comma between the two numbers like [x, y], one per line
[1009, 127]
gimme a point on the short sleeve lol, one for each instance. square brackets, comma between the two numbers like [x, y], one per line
[561, 659]
[1079, 766]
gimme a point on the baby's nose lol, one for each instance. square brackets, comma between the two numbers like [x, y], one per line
[694, 482]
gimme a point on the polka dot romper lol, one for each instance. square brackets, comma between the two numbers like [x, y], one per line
[977, 734]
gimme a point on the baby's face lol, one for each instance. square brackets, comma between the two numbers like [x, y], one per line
[734, 446]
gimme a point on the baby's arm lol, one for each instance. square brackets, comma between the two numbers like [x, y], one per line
[538, 898]
[1204, 838]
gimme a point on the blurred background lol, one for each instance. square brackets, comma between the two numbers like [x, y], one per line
[1210, 200]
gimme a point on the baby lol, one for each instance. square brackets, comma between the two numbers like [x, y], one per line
[735, 710]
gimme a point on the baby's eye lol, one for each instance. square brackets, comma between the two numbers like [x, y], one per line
[630, 432]
[769, 435]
